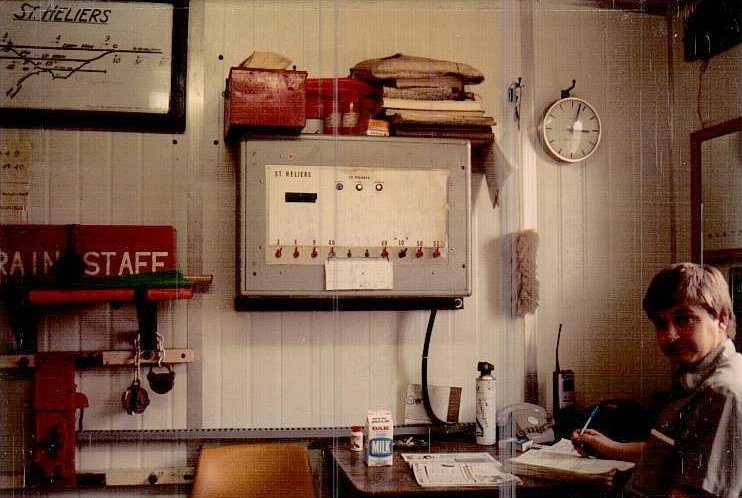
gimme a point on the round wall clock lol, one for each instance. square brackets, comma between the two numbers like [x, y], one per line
[571, 129]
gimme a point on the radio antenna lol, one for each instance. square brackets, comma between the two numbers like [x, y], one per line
[559, 336]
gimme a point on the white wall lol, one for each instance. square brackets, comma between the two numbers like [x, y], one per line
[605, 225]
[605, 222]
[299, 369]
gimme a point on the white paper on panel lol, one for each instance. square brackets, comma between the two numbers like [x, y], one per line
[358, 274]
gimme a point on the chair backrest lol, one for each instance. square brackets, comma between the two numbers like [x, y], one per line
[258, 470]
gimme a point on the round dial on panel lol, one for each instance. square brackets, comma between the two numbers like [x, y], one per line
[571, 129]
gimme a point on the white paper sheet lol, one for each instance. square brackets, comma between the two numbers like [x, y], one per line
[358, 274]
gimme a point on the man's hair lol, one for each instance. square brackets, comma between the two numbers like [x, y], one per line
[690, 283]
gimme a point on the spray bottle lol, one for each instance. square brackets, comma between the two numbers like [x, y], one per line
[486, 428]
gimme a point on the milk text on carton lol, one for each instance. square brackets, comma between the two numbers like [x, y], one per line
[380, 434]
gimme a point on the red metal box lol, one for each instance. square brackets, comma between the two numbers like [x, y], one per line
[264, 100]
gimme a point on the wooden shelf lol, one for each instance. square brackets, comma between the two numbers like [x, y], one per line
[159, 286]
[75, 296]
[99, 359]
[135, 477]
[145, 290]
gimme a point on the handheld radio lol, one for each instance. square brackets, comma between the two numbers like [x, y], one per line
[564, 394]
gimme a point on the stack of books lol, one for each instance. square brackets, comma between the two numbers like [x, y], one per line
[424, 97]
[436, 109]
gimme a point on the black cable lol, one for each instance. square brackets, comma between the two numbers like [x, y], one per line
[559, 336]
[426, 397]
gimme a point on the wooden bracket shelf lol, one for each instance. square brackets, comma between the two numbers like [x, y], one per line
[100, 359]
[162, 286]
[144, 290]
[135, 477]
[98, 479]
[66, 296]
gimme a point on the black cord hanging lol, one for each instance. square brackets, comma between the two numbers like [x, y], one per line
[426, 396]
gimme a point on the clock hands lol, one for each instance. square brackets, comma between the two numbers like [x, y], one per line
[577, 128]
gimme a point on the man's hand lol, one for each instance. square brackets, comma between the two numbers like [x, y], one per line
[592, 443]
[595, 443]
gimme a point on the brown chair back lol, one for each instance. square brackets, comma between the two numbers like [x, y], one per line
[269, 470]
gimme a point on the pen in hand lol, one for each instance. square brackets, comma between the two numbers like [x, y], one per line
[589, 419]
[579, 443]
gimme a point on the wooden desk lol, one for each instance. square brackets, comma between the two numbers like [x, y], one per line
[352, 477]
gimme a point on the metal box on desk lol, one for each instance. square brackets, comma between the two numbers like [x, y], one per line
[264, 100]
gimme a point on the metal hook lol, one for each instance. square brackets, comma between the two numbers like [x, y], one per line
[137, 357]
[160, 350]
[565, 93]
[514, 93]
[514, 90]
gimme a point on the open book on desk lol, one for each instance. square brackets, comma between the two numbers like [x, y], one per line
[562, 462]
[458, 469]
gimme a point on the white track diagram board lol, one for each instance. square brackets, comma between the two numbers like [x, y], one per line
[89, 56]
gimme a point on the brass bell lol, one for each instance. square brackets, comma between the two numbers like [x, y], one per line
[135, 399]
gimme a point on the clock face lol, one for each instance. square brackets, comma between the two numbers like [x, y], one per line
[571, 129]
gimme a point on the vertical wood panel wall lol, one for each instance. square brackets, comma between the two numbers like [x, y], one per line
[289, 369]
[605, 221]
[605, 225]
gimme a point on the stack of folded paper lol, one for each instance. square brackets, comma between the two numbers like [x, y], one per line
[476, 469]
[428, 98]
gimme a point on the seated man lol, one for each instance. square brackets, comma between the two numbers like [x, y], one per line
[695, 446]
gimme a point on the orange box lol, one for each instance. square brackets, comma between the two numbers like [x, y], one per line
[264, 100]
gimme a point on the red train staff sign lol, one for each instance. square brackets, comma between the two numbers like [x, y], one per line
[30, 251]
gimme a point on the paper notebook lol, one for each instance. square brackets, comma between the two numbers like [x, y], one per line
[562, 462]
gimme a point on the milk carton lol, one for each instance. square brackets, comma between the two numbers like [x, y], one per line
[380, 430]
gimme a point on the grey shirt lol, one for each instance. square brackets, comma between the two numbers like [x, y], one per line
[697, 439]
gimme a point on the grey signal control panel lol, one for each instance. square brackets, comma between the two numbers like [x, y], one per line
[338, 222]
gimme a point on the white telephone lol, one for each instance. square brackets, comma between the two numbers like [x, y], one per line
[525, 420]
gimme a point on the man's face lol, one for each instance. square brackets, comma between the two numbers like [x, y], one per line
[687, 333]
